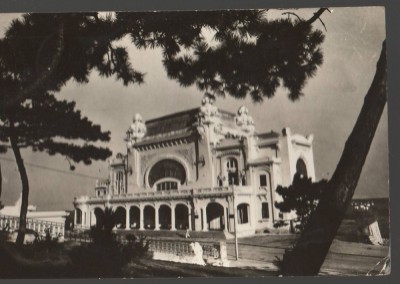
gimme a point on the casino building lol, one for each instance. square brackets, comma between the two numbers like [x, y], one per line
[202, 169]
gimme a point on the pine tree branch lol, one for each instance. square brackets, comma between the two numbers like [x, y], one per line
[45, 76]
[316, 16]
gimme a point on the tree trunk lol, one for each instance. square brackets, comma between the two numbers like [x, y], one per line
[25, 189]
[310, 250]
[1, 184]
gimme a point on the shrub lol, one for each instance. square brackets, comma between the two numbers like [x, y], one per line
[97, 260]
[135, 247]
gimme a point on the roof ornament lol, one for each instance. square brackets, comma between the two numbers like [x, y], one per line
[244, 121]
[136, 131]
[208, 111]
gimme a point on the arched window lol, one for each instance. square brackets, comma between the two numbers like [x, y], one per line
[301, 168]
[167, 174]
[232, 171]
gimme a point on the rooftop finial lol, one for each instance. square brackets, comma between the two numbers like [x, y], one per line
[209, 111]
[244, 120]
[136, 131]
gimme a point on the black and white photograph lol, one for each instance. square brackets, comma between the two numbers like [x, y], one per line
[202, 143]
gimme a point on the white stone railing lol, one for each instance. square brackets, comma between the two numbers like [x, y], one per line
[211, 250]
[11, 223]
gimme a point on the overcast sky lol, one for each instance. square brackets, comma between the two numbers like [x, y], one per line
[329, 109]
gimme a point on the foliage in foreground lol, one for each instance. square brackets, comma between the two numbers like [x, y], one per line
[301, 197]
[106, 255]
[100, 259]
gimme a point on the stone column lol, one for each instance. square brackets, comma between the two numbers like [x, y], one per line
[141, 226]
[173, 228]
[127, 218]
[157, 217]
[75, 213]
[190, 217]
[226, 218]
[204, 218]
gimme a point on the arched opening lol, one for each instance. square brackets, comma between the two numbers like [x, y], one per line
[232, 171]
[134, 217]
[149, 214]
[99, 214]
[120, 218]
[78, 213]
[243, 213]
[167, 175]
[301, 168]
[181, 217]
[164, 217]
[215, 216]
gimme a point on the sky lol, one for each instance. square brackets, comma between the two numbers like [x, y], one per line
[329, 109]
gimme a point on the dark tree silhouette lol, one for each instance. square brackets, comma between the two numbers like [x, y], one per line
[1, 182]
[249, 54]
[38, 55]
[301, 197]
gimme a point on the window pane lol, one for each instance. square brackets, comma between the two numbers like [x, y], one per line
[263, 180]
[265, 210]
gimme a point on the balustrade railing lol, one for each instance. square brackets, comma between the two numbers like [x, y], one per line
[210, 250]
[153, 194]
[11, 223]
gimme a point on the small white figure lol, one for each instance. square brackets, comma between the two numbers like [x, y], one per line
[187, 236]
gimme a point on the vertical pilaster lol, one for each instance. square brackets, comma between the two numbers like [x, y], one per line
[204, 219]
[173, 228]
[75, 213]
[157, 217]
[141, 226]
[190, 218]
[127, 217]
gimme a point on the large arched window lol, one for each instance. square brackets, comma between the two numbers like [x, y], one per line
[301, 168]
[166, 174]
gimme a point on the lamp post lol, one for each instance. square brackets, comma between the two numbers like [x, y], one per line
[128, 143]
[235, 224]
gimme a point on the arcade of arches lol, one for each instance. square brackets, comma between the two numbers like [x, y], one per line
[149, 217]
[163, 216]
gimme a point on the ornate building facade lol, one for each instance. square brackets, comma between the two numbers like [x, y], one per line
[201, 169]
